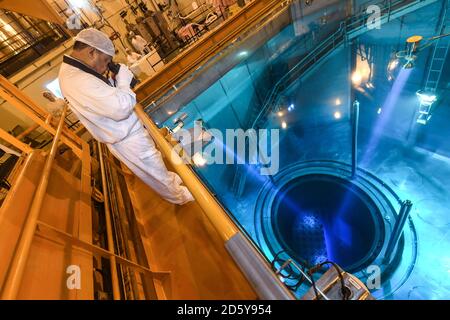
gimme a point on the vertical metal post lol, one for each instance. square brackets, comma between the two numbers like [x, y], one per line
[355, 123]
[398, 229]
[109, 231]
[389, 10]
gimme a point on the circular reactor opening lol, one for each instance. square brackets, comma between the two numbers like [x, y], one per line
[321, 217]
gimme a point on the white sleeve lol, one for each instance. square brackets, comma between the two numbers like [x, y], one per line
[104, 100]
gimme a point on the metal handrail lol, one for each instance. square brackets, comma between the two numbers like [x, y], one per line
[205, 49]
[18, 264]
[312, 56]
[37, 114]
[346, 27]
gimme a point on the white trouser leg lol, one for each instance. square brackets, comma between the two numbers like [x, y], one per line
[145, 161]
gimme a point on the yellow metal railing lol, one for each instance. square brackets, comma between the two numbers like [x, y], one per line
[38, 115]
[33, 226]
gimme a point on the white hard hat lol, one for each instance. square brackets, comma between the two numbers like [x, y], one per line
[97, 40]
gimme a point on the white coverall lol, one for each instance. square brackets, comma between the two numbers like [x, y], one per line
[108, 114]
[139, 44]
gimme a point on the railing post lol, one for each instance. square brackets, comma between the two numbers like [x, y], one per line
[109, 228]
[389, 11]
[355, 123]
[398, 229]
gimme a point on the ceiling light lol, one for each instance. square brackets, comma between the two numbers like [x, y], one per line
[337, 115]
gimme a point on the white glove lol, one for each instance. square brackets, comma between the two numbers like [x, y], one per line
[124, 77]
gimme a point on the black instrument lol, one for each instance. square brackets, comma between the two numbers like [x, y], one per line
[115, 67]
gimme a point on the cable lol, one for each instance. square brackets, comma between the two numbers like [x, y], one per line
[345, 294]
[285, 265]
[313, 282]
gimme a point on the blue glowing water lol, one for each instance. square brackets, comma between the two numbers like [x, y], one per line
[414, 161]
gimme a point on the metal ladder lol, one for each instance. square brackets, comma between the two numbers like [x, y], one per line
[349, 29]
[440, 52]
[436, 64]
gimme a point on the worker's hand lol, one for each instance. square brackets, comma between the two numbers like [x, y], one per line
[124, 77]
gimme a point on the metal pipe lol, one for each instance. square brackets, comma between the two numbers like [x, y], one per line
[258, 272]
[141, 257]
[48, 119]
[26, 132]
[398, 229]
[50, 232]
[118, 209]
[114, 277]
[18, 264]
[213, 211]
[355, 123]
[15, 142]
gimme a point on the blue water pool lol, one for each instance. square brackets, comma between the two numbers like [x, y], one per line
[344, 228]
[313, 208]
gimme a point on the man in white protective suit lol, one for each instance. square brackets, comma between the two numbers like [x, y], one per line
[107, 112]
[139, 43]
